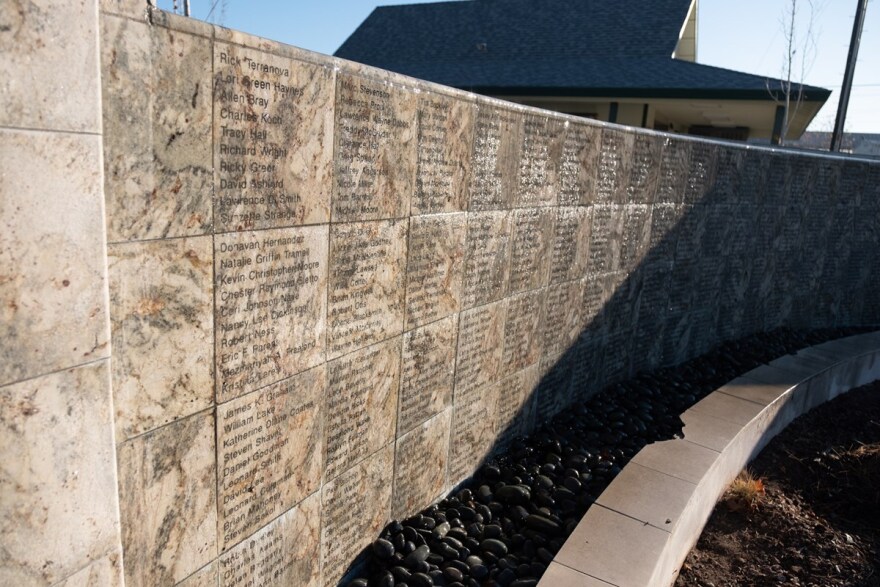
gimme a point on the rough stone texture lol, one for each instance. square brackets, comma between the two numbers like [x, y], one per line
[58, 498]
[420, 465]
[52, 271]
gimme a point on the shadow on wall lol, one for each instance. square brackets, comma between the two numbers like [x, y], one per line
[691, 244]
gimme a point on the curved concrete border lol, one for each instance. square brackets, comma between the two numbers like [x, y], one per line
[647, 520]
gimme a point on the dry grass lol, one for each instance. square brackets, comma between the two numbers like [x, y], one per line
[746, 492]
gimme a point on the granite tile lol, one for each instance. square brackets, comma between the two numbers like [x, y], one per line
[366, 298]
[498, 136]
[562, 319]
[444, 147]
[434, 268]
[271, 300]
[571, 244]
[104, 572]
[285, 552]
[614, 164]
[375, 146]
[531, 248]
[479, 353]
[540, 160]
[57, 41]
[356, 506]
[269, 452]
[52, 274]
[675, 161]
[522, 343]
[487, 257]
[168, 501]
[273, 123]
[644, 170]
[474, 419]
[427, 372]
[58, 502]
[162, 324]
[580, 155]
[516, 405]
[360, 407]
[156, 110]
[420, 458]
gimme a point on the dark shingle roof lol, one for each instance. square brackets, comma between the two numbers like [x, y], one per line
[547, 47]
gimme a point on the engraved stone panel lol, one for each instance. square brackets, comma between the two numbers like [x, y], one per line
[286, 552]
[571, 245]
[435, 267]
[487, 257]
[636, 236]
[272, 128]
[51, 253]
[445, 148]
[562, 317]
[157, 131]
[269, 452]
[704, 157]
[675, 164]
[168, 501]
[594, 298]
[480, 340]
[375, 149]
[366, 298]
[205, 577]
[361, 405]
[540, 160]
[580, 155]
[522, 343]
[516, 404]
[606, 239]
[615, 161]
[270, 306]
[552, 393]
[497, 141]
[420, 458]
[474, 419]
[58, 497]
[427, 371]
[531, 249]
[356, 506]
[161, 312]
[644, 170]
[664, 220]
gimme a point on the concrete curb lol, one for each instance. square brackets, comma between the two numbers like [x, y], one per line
[646, 521]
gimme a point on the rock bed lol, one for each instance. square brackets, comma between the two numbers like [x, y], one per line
[506, 524]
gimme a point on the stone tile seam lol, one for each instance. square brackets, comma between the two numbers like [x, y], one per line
[717, 454]
[61, 131]
[64, 369]
[579, 572]
[63, 582]
[645, 522]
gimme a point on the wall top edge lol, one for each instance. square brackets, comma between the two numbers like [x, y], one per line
[162, 18]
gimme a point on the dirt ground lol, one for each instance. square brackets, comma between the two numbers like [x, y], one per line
[810, 515]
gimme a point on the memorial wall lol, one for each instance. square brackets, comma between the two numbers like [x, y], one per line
[311, 296]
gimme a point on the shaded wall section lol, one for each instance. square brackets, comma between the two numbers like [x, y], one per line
[333, 290]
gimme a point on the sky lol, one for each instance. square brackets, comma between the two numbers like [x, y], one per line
[743, 35]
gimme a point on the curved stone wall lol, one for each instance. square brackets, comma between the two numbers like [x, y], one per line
[333, 290]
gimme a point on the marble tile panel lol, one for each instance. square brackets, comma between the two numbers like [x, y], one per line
[703, 168]
[474, 423]
[562, 319]
[498, 136]
[445, 145]
[131, 8]
[427, 372]
[487, 257]
[553, 392]
[522, 329]
[207, 576]
[675, 162]
[285, 552]
[104, 572]
[360, 406]
[48, 48]
[636, 236]
[540, 161]
[52, 274]
[580, 156]
[168, 501]
[615, 162]
[531, 248]
[367, 276]
[156, 110]
[517, 402]
[356, 506]
[434, 267]
[162, 324]
[273, 123]
[480, 341]
[376, 137]
[420, 458]
[271, 299]
[571, 244]
[644, 170]
[58, 502]
[269, 452]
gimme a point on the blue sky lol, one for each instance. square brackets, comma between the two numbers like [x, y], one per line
[745, 35]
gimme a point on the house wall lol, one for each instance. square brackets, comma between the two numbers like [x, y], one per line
[262, 301]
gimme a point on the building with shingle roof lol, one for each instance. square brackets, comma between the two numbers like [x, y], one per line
[626, 61]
